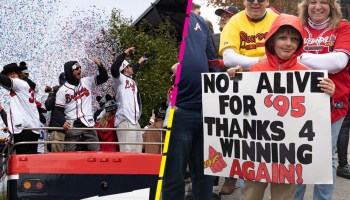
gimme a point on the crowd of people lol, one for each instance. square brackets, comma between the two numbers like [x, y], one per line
[259, 39]
[70, 109]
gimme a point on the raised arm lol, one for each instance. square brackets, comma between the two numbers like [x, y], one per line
[118, 62]
[102, 77]
[5, 81]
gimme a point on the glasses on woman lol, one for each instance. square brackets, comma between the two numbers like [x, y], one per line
[259, 1]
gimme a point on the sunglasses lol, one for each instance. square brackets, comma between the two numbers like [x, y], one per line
[259, 1]
[76, 66]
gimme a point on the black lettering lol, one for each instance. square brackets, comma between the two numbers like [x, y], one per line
[219, 79]
[302, 82]
[286, 153]
[235, 83]
[249, 104]
[277, 88]
[248, 150]
[210, 121]
[249, 128]
[304, 158]
[235, 100]
[235, 128]
[237, 149]
[314, 81]
[223, 103]
[262, 130]
[226, 146]
[209, 83]
[263, 152]
[277, 127]
[264, 84]
[274, 152]
[290, 88]
[222, 127]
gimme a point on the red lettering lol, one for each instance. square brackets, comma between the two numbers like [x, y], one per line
[280, 173]
[248, 174]
[299, 171]
[236, 169]
[131, 85]
[245, 38]
[274, 173]
[263, 173]
[286, 174]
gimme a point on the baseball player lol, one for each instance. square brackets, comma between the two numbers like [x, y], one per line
[23, 111]
[128, 100]
[74, 104]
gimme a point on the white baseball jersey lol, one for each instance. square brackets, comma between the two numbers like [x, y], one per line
[77, 100]
[126, 97]
[23, 110]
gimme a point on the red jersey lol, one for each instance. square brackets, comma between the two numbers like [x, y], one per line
[332, 40]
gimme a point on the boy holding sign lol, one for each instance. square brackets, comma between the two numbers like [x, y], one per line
[283, 42]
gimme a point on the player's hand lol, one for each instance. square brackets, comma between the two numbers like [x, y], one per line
[142, 59]
[232, 71]
[153, 116]
[131, 49]
[327, 86]
[96, 60]
[67, 125]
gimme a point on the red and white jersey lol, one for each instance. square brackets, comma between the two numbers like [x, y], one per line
[23, 110]
[125, 89]
[77, 100]
[326, 41]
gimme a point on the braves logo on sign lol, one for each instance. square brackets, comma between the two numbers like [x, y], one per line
[130, 84]
[77, 95]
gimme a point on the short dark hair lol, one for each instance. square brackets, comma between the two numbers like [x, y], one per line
[290, 30]
[195, 6]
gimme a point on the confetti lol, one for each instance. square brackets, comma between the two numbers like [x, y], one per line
[45, 35]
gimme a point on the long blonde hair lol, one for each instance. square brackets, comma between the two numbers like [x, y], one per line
[106, 117]
[335, 14]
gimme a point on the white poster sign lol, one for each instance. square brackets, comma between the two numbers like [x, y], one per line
[267, 127]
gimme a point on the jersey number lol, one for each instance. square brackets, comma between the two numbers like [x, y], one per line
[32, 98]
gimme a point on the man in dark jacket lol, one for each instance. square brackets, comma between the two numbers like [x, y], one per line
[186, 141]
[50, 106]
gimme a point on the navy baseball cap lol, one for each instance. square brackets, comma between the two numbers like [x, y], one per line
[232, 10]
[62, 78]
